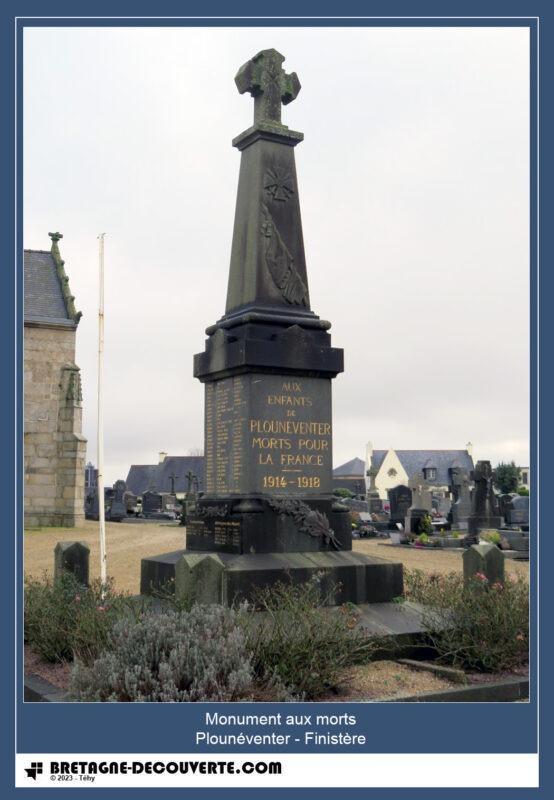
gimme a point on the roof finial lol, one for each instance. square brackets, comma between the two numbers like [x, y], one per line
[55, 237]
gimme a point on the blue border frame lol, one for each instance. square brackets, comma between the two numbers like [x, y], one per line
[471, 728]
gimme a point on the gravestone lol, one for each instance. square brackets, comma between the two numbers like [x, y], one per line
[421, 505]
[461, 507]
[486, 559]
[514, 540]
[92, 505]
[151, 502]
[118, 506]
[485, 511]
[400, 499]
[73, 558]
[130, 503]
[504, 503]
[518, 512]
[376, 505]
[441, 504]
[268, 508]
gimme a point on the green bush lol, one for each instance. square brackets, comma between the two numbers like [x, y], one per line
[65, 618]
[476, 625]
[426, 524]
[166, 656]
[523, 491]
[343, 493]
[299, 643]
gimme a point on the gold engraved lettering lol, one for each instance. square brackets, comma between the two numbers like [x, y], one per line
[266, 443]
[297, 428]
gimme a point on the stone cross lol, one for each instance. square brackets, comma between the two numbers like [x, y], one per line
[420, 494]
[268, 83]
[192, 482]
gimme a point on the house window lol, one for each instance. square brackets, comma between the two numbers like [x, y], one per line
[524, 478]
[430, 473]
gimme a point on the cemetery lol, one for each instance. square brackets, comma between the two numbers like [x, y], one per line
[260, 574]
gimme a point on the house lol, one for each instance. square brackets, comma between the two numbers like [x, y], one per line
[525, 477]
[168, 475]
[54, 448]
[390, 468]
[350, 476]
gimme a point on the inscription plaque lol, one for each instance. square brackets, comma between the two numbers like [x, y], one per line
[268, 434]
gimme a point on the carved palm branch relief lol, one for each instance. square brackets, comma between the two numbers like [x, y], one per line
[280, 263]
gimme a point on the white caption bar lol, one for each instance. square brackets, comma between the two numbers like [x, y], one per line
[428, 770]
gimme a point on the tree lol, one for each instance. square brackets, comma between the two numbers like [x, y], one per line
[506, 477]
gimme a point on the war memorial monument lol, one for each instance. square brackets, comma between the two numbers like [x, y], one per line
[268, 513]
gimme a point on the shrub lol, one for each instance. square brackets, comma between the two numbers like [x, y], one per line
[426, 524]
[474, 625]
[523, 491]
[65, 618]
[346, 493]
[170, 657]
[299, 643]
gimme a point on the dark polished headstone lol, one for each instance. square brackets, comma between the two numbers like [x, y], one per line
[267, 367]
[400, 499]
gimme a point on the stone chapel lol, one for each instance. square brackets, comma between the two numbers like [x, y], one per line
[54, 449]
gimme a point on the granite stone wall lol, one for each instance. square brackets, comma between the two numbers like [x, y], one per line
[54, 449]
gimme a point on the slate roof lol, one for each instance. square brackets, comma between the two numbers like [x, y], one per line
[43, 297]
[142, 477]
[415, 461]
[179, 466]
[355, 467]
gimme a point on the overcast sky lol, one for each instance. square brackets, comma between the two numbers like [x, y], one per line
[413, 181]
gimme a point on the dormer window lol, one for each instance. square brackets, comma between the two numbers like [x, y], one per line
[430, 473]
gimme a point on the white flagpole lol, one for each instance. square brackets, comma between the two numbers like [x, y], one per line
[100, 448]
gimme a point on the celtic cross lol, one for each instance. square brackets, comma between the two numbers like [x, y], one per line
[268, 83]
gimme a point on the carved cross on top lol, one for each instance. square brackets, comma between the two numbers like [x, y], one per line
[268, 83]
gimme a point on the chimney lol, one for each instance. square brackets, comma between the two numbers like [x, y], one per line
[161, 456]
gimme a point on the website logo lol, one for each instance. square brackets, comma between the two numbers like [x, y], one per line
[34, 770]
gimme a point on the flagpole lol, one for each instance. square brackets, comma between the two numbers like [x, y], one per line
[100, 428]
